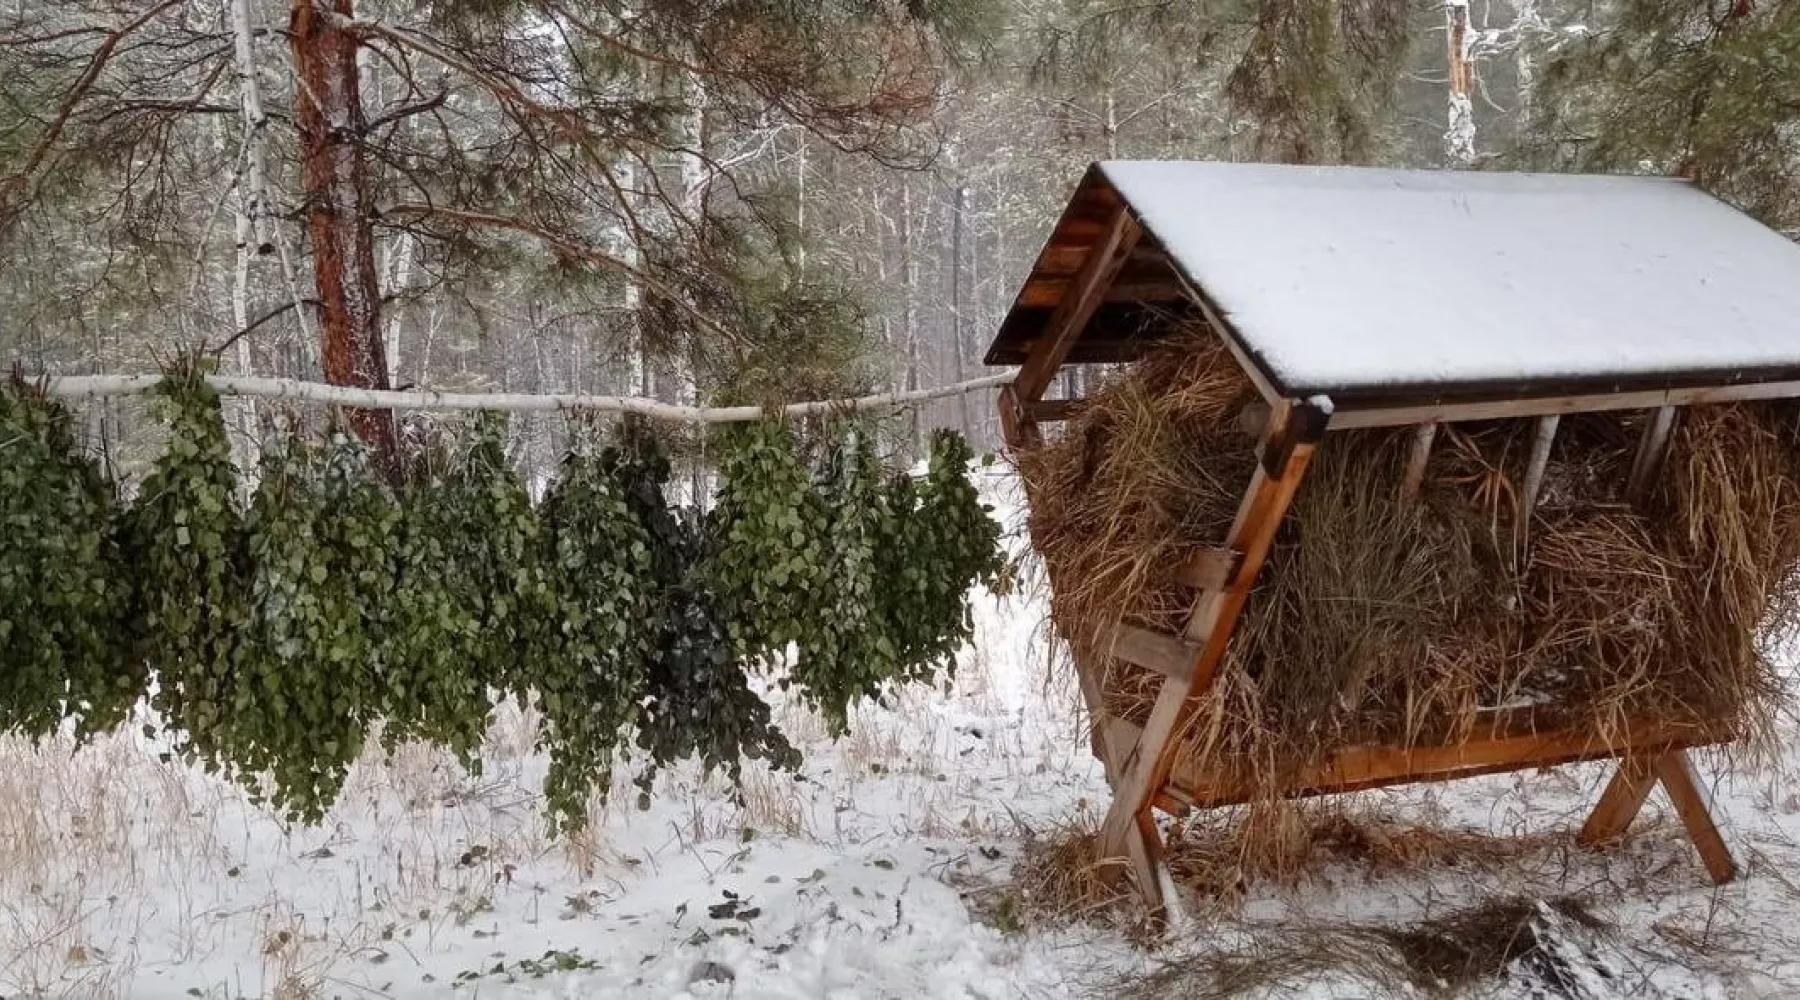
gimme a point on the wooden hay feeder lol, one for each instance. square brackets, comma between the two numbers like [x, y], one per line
[1355, 298]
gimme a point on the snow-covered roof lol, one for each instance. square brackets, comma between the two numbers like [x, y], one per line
[1347, 280]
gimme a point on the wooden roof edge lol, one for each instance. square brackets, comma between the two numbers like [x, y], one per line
[1095, 184]
[1352, 413]
[1092, 181]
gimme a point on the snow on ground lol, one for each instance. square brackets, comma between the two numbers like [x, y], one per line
[125, 876]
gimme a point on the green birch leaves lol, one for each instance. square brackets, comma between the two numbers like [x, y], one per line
[273, 636]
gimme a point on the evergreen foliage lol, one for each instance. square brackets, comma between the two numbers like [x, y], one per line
[1708, 91]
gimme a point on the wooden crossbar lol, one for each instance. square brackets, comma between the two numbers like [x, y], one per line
[1491, 749]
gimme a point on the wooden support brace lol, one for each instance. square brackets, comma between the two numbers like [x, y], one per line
[1619, 804]
[1294, 433]
[1630, 786]
[1690, 801]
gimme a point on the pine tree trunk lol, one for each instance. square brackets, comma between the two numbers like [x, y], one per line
[339, 210]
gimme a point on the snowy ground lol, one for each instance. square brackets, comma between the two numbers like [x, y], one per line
[122, 875]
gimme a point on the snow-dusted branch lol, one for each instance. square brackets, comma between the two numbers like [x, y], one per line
[396, 399]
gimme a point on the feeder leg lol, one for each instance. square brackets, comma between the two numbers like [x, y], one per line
[1677, 775]
[1620, 803]
[1144, 845]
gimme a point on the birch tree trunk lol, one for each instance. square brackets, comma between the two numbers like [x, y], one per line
[1459, 130]
[339, 208]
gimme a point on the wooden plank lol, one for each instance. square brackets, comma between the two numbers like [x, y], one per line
[1049, 411]
[1541, 440]
[1350, 415]
[1211, 569]
[1488, 751]
[1077, 307]
[1214, 617]
[1016, 428]
[1044, 292]
[1166, 654]
[1417, 460]
[1690, 801]
[1651, 448]
[1619, 804]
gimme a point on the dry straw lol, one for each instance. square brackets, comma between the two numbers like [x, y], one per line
[1381, 621]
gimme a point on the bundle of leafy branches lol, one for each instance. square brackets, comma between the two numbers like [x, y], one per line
[336, 604]
[863, 577]
[61, 581]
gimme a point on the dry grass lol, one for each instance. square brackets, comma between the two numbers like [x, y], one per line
[1219, 857]
[1537, 943]
[1381, 622]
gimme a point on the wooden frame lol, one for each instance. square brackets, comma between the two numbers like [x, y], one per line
[1100, 261]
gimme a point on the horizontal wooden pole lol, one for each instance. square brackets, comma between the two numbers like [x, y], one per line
[1490, 751]
[1349, 415]
[77, 386]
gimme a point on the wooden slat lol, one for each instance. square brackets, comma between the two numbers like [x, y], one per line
[1691, 804]
[1077, 307]
[1211, 569]
[1165, 654]
[1541, 441]
[1046, 292]
[1619, 804]
[1016, 428]
[1357, 768]
[1214, 617]
[1651, 448]
[1350, 415]
[1417, 460]
[1049, 411]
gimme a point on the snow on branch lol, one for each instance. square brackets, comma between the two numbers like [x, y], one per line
[420, 399]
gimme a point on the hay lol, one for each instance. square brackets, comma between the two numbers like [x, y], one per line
[1219, 857]
[1504, 944]
[1381, 622]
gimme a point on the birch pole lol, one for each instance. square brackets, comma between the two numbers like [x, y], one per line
[94, 386]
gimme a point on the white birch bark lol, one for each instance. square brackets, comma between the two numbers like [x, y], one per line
[1459, 129]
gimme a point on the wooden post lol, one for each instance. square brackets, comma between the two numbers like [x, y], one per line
[1287, 447]
[1417, 460]
[1651, 448]
[1541, 441]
